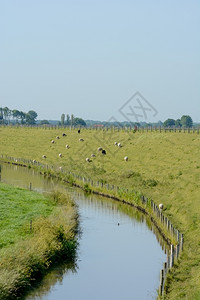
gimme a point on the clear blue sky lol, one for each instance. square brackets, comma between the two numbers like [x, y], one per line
[89, 57]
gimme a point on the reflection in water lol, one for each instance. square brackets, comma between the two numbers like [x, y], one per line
[118, 256]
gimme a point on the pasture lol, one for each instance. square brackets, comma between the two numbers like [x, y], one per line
[163, 166]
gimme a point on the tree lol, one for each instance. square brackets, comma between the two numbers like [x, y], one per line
[16, 114]
[186, 121]
[62, 119]
[169, 123]
[67, 120]
[178, 123]
[72, 120]
[6, 113]
[30, 117]
[79, 121]
[22, 116]
[44, 122]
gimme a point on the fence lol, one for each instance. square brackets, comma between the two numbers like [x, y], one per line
[113, 128]
[155, 215]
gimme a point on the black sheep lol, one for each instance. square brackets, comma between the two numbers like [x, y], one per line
[103, 151]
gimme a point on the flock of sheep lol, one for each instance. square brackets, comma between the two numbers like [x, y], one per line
[100, 149]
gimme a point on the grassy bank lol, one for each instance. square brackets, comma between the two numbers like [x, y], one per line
[162, 166]
[35, 231]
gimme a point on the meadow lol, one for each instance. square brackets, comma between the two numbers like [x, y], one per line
[35, 231]
[164, 166]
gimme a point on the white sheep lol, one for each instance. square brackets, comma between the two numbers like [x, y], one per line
[52, 141]
[81, 140]
[67, 146]
[115, 143]
[161, 206]
[44, 156]
[87, 159]
[60, 168]
[126, 158]
[60, 154]
[100, 149]
[57, 137]
[119, 145]
[93, 155]
[34, 161]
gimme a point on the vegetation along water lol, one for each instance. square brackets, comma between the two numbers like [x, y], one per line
[164, 166]
[35, 231]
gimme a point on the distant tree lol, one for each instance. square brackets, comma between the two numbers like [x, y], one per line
[186, 121]
[67, 119]
[62, 119]
[22, 117]
[30, 117]
[6, 113]
[79, 121]
[1, 115]
[72, 120]
[44, 122]
[16, 115]
[178, 123]
[169, 123]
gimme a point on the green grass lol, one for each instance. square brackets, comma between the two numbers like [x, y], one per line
[28, 249]
[162, 166]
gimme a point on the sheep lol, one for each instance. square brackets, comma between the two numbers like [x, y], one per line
[60, 168]
[44, 156]
[103, 151]
[126, 158]
[67, 146]
[93, 155]
[64, 134]
[161, 206]
[52, 141]
[81, 140]
[34, 161]
[79, 131]
[60, 154]
[87, 159]
[115, 143]
[100, 149]
[57, 137]
[119, 145]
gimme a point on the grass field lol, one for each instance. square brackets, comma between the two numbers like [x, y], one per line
[163, 166]
[34, 231]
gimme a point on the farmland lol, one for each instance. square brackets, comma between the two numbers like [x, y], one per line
[162, 166]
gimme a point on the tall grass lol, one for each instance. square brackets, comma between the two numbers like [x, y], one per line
[34, 249]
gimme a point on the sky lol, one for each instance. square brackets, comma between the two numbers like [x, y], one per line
[101, 60]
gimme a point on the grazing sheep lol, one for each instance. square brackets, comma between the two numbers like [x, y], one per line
[60, 168]
[81, 140]
[52, 141]
[34, 161]
[100, 149]
[64, 134]
[93, 155]
[119, 145]
[126, 158]
[67, 146]
[115, 143]
[79, 131]
[57, 137]
[103, 151]
[60, 154]
[161, 206]
[44, 156]
[87, 159]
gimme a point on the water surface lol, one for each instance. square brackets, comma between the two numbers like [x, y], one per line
[119, 256]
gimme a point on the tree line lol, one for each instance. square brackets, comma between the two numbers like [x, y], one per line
[8, 116]
[184, 121]
[71, 121]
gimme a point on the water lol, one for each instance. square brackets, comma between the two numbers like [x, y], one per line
[119, 257]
